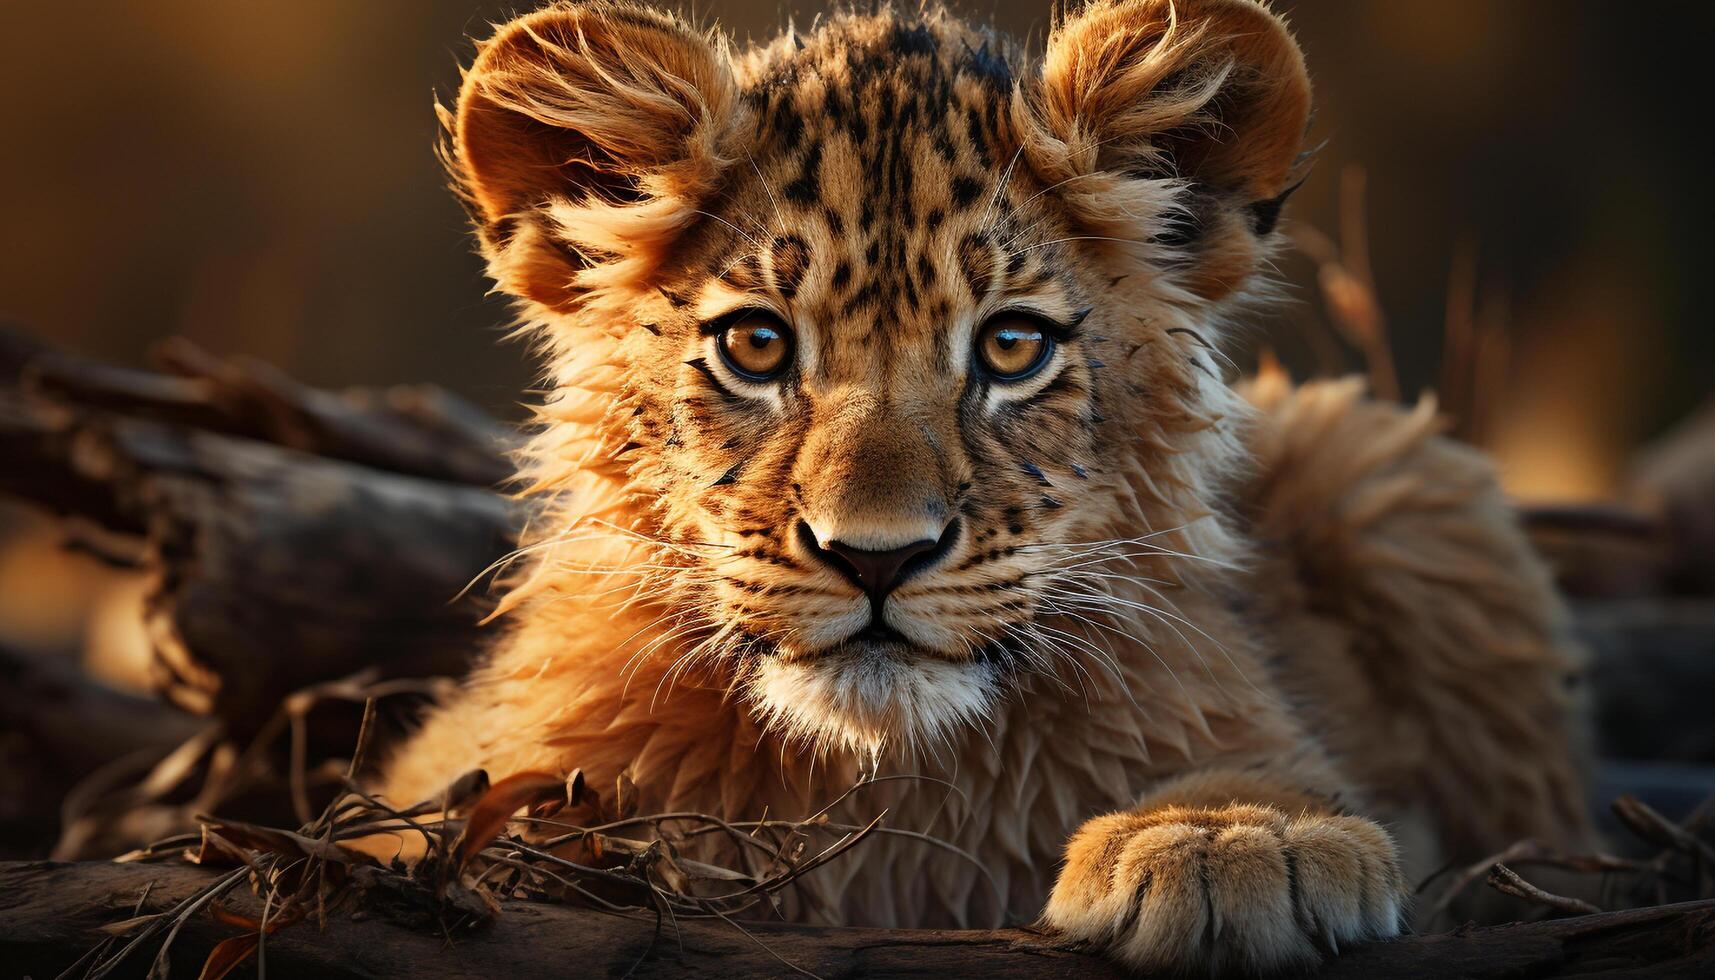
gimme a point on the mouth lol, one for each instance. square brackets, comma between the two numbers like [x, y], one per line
[878, 633]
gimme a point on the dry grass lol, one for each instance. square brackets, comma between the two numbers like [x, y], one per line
[1682, 869]
[534, 836]
[1476, 341]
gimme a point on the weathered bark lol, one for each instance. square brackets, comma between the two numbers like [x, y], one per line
[275, 571]
[50, 914]
[273, 568]
[418, 430]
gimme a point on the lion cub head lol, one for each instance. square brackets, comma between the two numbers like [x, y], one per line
[898, 341]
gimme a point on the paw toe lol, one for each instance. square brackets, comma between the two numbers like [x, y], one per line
[1255, 925]
[1347, 885]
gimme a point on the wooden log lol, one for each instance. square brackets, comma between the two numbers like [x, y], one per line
[51, 914]
[277, 561]
[57, 727]
[275, 571]
[419, 430]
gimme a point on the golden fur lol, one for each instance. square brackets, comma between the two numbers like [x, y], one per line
[1245, 631]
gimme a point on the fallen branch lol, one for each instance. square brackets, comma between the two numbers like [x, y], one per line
[417, 430]
[51, 914]
[276, 571]
[1505, 879]
[292, 539]
[1683, 862]
[272, 568]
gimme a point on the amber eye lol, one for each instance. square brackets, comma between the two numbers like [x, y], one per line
[756, 345]
[1013, 346]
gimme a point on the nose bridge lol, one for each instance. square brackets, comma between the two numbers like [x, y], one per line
[877, 474]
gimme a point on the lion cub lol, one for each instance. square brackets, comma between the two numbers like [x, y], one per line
[886, 435]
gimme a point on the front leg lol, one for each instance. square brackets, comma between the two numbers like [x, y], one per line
[1228, 871]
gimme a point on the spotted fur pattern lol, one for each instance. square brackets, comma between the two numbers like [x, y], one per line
[1091, 631]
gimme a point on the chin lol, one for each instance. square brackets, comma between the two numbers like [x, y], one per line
[872, 698]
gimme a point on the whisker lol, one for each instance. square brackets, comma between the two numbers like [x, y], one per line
[1056, 186]
[747, 236]
[1081, 238]
[1033, 633]
[1184, 692]
[773, 202]
[1049, 545]
[1102, 600]
[1000, 188]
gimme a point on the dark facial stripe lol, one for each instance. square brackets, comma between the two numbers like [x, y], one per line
[790, 258]
[806, 189]
[977, 264]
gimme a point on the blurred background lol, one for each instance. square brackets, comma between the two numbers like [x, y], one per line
[259, 178]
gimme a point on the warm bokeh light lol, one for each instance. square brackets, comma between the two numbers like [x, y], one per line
[1583, 369]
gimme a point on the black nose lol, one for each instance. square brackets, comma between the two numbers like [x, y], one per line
[878, 573]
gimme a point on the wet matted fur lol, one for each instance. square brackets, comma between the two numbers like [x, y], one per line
[1202, 677]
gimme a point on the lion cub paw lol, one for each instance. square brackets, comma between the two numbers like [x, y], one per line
[1237, 889]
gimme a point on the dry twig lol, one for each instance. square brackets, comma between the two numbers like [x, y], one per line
[472, 857]
[1505, 879]
[1680, 844]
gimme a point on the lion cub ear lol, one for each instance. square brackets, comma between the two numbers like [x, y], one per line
[584, 138]
[1178, 121]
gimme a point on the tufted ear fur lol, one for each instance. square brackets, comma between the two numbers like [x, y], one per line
[584, 138]
[1175, 120]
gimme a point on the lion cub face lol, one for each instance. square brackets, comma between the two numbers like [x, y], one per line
[907, 332]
